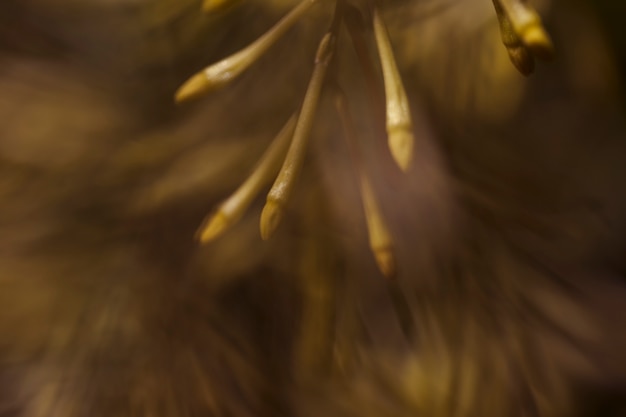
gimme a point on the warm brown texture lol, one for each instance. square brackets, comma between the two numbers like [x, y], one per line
[509, 229]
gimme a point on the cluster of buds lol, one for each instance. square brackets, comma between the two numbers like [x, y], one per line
[282, 162]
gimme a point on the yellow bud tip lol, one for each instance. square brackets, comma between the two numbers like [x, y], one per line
[193, 88]
[522, 59]
[537, 40]
[271, 216]
[386, 261]
[401, 146]
[212, 5]
[213, 227]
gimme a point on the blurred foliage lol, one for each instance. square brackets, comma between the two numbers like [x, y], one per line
[509, 229]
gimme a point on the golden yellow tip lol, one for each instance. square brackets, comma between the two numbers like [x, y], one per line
[537, 40]
[386, 261]
[213, 227]
[271, 216]
[213, 5]
[401, 146]
[193, 88]
[522, 59]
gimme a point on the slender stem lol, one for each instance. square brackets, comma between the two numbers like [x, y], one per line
[226, 70]
[233, 208]
[283, 186]
[356, 27]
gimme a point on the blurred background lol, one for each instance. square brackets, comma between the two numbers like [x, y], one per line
[509, 230]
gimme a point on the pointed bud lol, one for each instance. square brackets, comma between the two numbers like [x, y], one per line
[381, 242]
[271, 216]
[223, 72]
[386, 261]
[518, 53]
[401, 146]
[538, 41]
[380, 239]
[215, 225]
[283, 186]
[399, 123]
[193, 88]
[233, 208]
[522, 33]
[210, 6]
